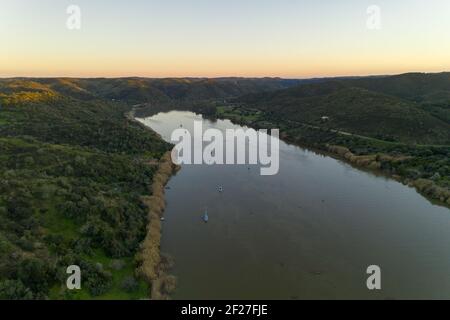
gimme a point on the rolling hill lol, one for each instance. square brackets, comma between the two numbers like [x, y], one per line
[399, 108]
[140, 90]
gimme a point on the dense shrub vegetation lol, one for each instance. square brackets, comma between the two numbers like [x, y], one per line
[71, 176]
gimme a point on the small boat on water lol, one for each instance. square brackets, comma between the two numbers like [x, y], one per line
[220, 189]
[205, 217]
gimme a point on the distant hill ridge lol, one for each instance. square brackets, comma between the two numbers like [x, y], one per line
[146, 89]
[411, 108]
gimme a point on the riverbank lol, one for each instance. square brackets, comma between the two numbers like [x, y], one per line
[277, 225]
[151, 266]
[377, 161]
[390, 159]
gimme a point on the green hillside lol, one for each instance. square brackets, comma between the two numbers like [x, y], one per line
[355, 107]
[71, 176]
[431, 92]
[141, 90]
[419, 87]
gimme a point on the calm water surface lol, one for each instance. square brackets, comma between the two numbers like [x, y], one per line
[309, 232]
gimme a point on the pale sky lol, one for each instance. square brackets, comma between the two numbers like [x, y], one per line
[211, 38]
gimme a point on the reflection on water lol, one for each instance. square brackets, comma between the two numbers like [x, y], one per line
[309, 232]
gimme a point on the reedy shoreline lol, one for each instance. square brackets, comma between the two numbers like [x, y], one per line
[151, 267]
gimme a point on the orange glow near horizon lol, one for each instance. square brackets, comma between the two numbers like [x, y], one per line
[288, 39]
[213, 68]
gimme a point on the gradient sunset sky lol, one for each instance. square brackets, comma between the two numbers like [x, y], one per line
[211, 38]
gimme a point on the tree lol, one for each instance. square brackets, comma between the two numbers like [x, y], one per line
[129, 284]
[14, 290]
[36, 274]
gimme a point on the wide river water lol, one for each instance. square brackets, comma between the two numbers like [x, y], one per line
[308, 232]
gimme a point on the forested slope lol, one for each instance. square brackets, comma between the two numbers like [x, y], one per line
[376, 107]
[71, 176]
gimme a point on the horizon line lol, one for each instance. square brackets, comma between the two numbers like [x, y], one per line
[224, 77]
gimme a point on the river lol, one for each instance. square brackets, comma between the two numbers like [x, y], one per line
[309, 232]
